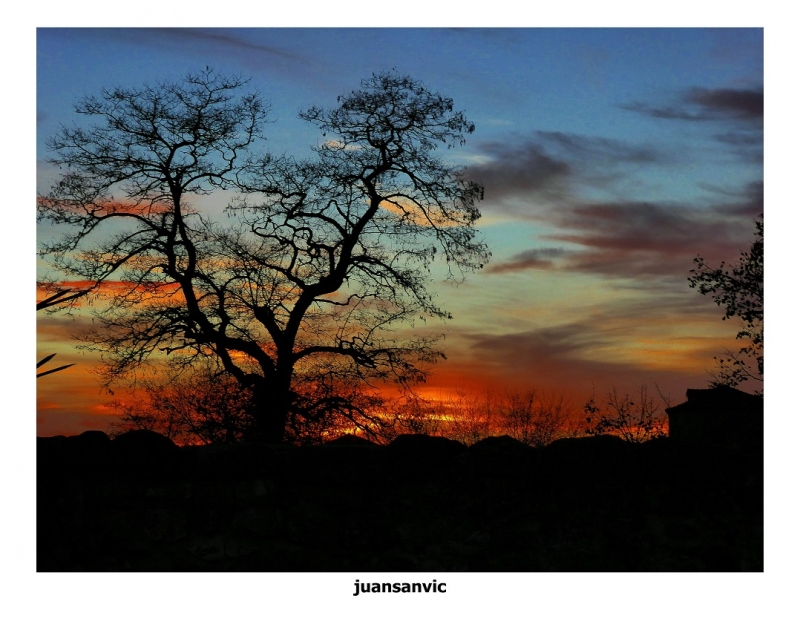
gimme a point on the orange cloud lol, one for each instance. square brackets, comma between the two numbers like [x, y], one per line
[110, 289]
[105, 207]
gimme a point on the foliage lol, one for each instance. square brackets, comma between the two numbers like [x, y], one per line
[740, 290]
[43, 361]
[302, 290]
[633, 420]
[54, 300]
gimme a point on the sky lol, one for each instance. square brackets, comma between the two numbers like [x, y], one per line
[610, 159]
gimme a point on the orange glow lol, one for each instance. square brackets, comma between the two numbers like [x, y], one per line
[110, 289]
[107, 207]
[414, 214]
[507, 338]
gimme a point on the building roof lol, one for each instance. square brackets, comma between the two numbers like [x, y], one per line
[720, 398]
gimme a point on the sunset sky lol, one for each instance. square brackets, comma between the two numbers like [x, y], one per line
[610, 158]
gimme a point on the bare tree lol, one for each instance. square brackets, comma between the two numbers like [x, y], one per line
[322, 259]
[58, 295]
[632, 419]
[412, 413]
[472, 415]
[533, 418]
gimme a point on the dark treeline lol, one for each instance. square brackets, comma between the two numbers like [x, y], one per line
[420, 503]
[214, 409]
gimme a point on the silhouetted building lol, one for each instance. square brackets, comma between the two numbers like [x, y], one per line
[721, 416]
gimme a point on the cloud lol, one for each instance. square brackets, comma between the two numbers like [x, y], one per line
[699, 104]
[206, 40]
[62, 329]
[533, 259]
[739, 103]
[630, 239]
[640, 336]
[108, 289]
[633, 226]
[590, 148]
[649, 241]
[518, 169]
[550, 164]
[252, 49]
[577, 356]
[740, 139]
[221, 38]
[747, 144]
[749, 203]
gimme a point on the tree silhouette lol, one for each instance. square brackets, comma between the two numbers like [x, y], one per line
[58, 296]
[534, 418]
[198, 406]
[43, 361]
[634, 420]
[56, 299]
[740, 290]
[302, 291]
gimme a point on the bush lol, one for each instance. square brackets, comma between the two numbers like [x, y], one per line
[622, 415]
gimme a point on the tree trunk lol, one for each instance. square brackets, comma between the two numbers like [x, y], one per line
[271, 408]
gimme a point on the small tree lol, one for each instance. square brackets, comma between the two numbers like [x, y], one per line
[633, 420]
[471, 415]
[532, 418]
[412, 414]
[322, 259]
[740, 290]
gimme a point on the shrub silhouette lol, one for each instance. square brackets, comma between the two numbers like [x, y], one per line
[633, 420]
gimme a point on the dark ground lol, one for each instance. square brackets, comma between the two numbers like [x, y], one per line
[140, 503]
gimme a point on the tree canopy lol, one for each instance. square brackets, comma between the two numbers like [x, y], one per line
[308, 288]
[740, 290]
